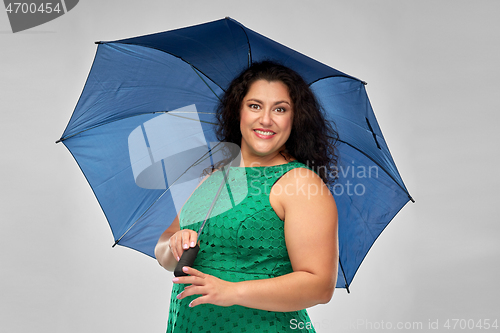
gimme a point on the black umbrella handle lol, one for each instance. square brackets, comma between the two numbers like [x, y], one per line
[187, 259]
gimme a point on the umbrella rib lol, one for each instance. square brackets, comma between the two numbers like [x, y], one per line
[343, 75]
[373, 133]
[201, 121]
[203, 157]
[345, 278]
[362, 152]
[173, 55]
[196, 71]
[135, 115]
[373, 243]
[246, 36]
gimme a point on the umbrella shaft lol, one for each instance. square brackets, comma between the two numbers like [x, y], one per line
[224, 173]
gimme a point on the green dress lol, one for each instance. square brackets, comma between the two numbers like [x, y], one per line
[243, 240]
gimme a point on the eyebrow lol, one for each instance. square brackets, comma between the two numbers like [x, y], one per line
[259, 101]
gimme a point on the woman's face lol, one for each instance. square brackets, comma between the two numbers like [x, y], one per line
[265, 119]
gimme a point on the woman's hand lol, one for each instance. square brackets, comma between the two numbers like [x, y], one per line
[214, 290]
[172, 244]
[181, 241]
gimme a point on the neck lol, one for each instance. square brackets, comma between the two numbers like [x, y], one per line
[248, 160]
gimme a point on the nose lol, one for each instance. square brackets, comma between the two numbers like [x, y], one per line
[265, 118]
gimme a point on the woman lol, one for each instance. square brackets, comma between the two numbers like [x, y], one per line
[276, 253]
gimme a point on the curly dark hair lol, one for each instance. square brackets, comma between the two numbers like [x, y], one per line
[312, 140]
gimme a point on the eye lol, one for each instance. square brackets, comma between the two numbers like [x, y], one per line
[280, 110]
[254, 106]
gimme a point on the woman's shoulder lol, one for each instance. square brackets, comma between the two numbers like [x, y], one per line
[300, 188]
[300, 179]
[299, 170]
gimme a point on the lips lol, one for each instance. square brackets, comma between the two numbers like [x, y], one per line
[263, 133]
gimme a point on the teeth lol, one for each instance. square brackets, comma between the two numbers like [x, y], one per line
[264, 133]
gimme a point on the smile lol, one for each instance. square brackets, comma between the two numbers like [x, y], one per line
[261, 133]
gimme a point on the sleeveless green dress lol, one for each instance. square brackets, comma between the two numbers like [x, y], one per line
[243, 240]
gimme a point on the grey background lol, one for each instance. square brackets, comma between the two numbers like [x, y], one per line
[432, 69]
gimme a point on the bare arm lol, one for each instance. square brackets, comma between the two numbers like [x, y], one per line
[310, 216]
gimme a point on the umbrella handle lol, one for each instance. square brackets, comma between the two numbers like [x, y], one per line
[187, 259]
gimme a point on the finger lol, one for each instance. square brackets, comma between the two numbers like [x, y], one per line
[171, 241]
[199, 300]
[179, 243]
[193, 237]
[186, 239]
[174, 247]
[191, 280]
[193, 272]
[192, 290]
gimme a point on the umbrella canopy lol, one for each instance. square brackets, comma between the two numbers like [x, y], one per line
[135, 81]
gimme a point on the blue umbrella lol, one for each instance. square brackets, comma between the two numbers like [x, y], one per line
[126, 149]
